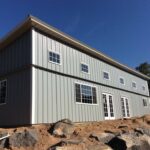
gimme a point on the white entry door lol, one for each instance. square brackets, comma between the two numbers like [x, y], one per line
[108, 106]
[125, 107]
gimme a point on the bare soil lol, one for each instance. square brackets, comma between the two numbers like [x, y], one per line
[82, 131]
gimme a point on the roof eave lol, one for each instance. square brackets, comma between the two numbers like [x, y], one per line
[35, 22]
[62, 36]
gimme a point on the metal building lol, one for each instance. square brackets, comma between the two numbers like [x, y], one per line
[46, 75]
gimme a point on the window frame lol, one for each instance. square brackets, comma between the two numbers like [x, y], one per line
[143, 88]
[108, 75]
[81, 103]
[56, 52]
[135, 85]
[6, 92]
[147, 102]
[123, 80]
[107, 94]
[125, 106]
[86, 65]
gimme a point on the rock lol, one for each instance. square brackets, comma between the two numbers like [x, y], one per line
[143, 130]
[134, 142]
[63, 128]
[146, 119]
[24, 139]
[122, 126]
[117, 144]
[66, 148]
[102, 137]
[139, 130]
[4, 142]
[72, 141]
[98, 147]
[146, 131]
[63, 143]
[115, 132]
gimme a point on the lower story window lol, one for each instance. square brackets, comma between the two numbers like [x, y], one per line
[85, 94]
[145, 102]
[3, 91]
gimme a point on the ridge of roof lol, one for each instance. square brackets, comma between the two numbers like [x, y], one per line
[32, 21]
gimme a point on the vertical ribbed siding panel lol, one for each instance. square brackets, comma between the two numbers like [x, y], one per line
[61, 100]
[50, 98]
[45, 52]
[16, 111]
[44, 99]
[36, 96]
[54, 97]
[58, 98]
[69, 98]
[62, 97]
[40, 93]
[71, 59]
[15, 55]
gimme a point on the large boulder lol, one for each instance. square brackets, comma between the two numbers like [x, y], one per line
[136, 142]
[117, 144]
[24, 139]
[102, 137]
[63, 128]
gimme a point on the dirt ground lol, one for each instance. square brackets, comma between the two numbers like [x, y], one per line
[82, 131]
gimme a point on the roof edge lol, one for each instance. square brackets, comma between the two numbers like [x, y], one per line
[32, 21]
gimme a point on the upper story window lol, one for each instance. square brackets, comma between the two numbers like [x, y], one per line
[106, 75]
[143, 88]
[3, 91]
[85, 94]
[122, 81]
[145, 102]
[84, 68]
[54, 57]
[133, 84]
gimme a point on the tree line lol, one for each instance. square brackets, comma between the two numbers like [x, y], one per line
[145, 69]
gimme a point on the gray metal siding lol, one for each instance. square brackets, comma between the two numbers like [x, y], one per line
[14, 66]
[16, 55]
[55, 99]
[16, 111]
[70, 64]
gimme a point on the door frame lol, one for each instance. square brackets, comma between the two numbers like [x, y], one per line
[108, 106]
[124, 101]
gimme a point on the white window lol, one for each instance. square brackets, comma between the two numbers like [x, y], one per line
[3, 91]
[125, 107]
[84, 68]
[122, 80]
[145, 102]
[133, 84]
[106, 75]
[85, 94]
[54, 57]
[108, 106]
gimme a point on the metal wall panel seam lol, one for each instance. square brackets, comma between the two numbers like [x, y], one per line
[33, 76]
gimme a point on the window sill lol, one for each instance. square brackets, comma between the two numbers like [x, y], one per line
[78, 103]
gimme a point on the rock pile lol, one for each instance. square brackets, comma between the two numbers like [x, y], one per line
[121, 134]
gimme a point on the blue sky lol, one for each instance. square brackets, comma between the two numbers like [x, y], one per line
[118, 28]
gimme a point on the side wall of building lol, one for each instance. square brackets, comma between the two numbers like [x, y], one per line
[71, 59]
[54, 84]
[55, 99]
[15, 60]
[17, 110]
[16, 55]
